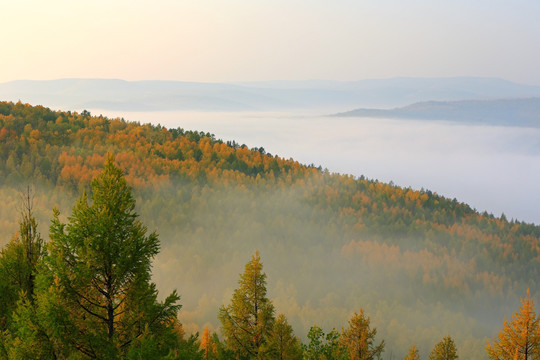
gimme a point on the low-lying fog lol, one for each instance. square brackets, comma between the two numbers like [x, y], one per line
[491, 168]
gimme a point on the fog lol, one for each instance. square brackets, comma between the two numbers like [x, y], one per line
[318, 270]
[494, 169]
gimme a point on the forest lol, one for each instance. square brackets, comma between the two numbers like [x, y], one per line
[411, 270]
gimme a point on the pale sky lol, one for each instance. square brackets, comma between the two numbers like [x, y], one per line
[244, 40]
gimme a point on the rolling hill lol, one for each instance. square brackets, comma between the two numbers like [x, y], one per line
[422, 265]
[502, 112]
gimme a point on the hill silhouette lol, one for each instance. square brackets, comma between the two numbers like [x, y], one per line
[502, 112]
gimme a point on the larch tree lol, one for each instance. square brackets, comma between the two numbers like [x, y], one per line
[520, 338]
[359, 339]
[94, 293]
[413, 354]
[209, 349]
[248, 320]
[20, 258]
[282, 344]
[444, 350]
[19, 262]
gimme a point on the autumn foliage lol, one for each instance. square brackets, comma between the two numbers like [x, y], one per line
[520, 338]
[213, 195]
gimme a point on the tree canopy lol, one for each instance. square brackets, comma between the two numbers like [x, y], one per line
[520, 338]
[359, 338]
[93, 296]
[248, 321]
[216, 201]
[444, 350]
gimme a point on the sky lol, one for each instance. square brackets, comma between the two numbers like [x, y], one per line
[247, 40]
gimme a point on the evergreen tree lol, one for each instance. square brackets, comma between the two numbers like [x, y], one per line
[413, 354]
[223, 353]
[94, 294]
[20, 258]
[282, 344]
[359, 339]
[444, 350]
[18, 268]
[248, 320]
[519, 339]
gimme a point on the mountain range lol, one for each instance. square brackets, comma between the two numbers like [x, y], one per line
[121, 95]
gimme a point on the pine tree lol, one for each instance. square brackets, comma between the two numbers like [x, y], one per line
[519, 339]
[18, 268]
[282, 344]
[413, 354]
[248, 320]
[94, 295]
[444, 350]
[359, 338]
[20, 258]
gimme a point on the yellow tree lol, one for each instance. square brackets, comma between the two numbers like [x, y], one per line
[519, 339]
[444, 350]
[207, 345]
[359, 339]
[413, 354]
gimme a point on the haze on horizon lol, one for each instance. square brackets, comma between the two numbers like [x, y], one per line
[240, 40]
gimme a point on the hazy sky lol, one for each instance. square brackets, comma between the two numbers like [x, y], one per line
[240, 40]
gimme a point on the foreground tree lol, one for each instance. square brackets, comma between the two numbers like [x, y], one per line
[324, 347]
[359, 339]
[413, 354]
[94, 293]
[519, 339]
[248, 320]
[444, 350]
[20, 258]
[18, 268]
[282, 344]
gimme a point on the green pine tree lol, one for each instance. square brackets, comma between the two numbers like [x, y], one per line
[282, 344]
[248, 320]
[94, 295]
[19, 262]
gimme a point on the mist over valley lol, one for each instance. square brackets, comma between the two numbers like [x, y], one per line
[270, 180]
[491, 168]
[421, 263]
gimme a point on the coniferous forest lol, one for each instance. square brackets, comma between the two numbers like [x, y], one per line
[123, 240]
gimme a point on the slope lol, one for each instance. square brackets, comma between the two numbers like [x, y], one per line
[423, 265]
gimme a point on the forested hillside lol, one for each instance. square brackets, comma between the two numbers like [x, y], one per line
[423, 266]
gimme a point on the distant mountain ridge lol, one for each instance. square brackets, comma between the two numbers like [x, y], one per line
[505, 112]
[115, 94]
